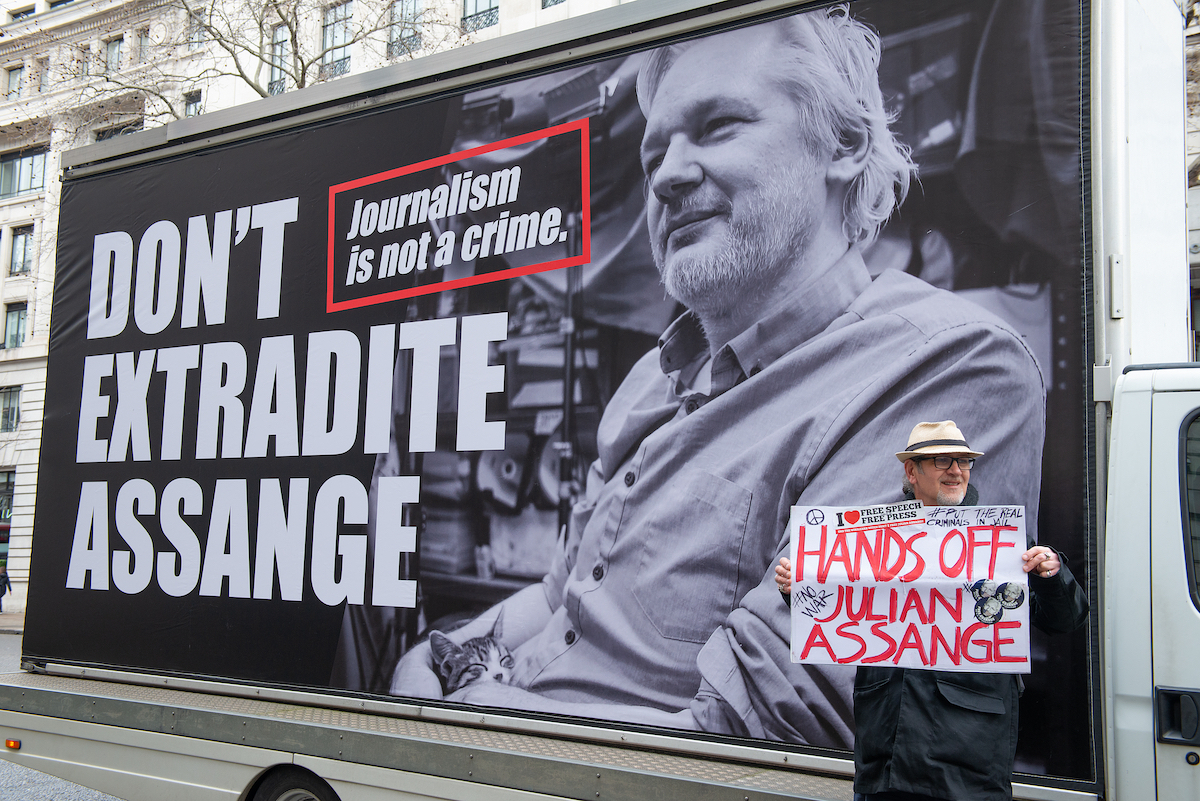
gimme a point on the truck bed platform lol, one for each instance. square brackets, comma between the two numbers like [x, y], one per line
[252, 734]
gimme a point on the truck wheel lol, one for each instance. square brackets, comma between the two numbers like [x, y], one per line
[293, 784]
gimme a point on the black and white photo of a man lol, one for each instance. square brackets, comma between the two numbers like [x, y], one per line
[769, 163]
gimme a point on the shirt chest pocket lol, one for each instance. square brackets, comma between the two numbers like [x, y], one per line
[691, 550]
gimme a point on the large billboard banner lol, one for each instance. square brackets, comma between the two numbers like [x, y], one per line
[504, 398]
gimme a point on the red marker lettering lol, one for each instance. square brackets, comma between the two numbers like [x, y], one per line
[911, 639]
[838, 553]
[967, 642]
[913, 601]
[998, 641]
[862, 644]
[993, 543]
[920, 568]
[891, 537]
[951, 571]
[802, 555]
[878, 631]
[955, 611]
[865, 599]
[937, 637]
[816, 639]
[874, 555]
[871, 606]
[837, 607]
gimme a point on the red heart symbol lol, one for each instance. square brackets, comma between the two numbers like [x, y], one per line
[851, 517]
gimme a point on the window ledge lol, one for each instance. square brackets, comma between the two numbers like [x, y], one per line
[15, 200]
[24, 352]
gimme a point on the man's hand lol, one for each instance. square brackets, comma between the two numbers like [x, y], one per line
[1039, 559]
[414, 676]
[783, 575]
[493, 693]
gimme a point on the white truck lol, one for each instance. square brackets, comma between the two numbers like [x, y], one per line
[326, 371]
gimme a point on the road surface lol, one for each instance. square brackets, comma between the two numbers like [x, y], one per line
[20, 783]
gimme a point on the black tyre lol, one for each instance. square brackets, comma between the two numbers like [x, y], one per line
[293, 784]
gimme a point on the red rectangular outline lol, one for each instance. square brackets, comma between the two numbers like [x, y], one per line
[583, 258]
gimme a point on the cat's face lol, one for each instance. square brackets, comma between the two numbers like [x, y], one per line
[493, 663]
[478, 659]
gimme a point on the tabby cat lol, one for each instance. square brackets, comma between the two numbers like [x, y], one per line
[483, 658]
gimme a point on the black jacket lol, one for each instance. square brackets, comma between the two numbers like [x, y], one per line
[951, 735]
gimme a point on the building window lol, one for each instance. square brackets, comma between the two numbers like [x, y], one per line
[83, 57]
[14, 325]
[479, 14]
[191, 103]
[143, 45]
[197, 29]
[335, 40]
[22, 172]
[404, 35]
[21, 13]
[41, 76]
[60, 3]
[14, 77]
[112, 54]
[10, 408]
[1191, 512]
[548, 3]
[21, 260]
[279, 58]
[119, 130]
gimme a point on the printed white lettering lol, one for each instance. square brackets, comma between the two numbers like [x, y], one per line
[179, 573]
[89, 547]
[227, 552]
[331, 418]
[281, 537]
[477, 379]
[133, 569]
[328, 544]
[93, 407]
[206, 270]
[392, 539]
[274, 380]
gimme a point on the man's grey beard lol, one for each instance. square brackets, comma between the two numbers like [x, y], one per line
[766, 236]
[944, 499]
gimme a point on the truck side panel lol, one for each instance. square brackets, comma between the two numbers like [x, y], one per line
[132, 764]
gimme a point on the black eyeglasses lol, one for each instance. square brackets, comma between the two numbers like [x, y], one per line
[943, 462]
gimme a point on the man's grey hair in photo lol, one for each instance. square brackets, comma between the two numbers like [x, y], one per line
[829, 64]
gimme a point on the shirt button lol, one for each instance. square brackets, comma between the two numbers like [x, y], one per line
[691, 405]
[755, 370]
[598, 572]
[570, 637]
[630, 478]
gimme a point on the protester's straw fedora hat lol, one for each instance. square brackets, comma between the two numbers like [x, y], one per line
[935, 439]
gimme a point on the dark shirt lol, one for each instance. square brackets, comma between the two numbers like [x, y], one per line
[947, 734]
[665, 594]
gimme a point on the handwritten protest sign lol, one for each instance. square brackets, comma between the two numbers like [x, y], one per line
[907, 585]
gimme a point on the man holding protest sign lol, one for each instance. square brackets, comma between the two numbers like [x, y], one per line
[768, 161]
[940, 734]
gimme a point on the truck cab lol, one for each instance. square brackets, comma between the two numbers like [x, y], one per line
[1150, 617]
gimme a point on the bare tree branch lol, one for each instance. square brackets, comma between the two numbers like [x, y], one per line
[267, 46]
